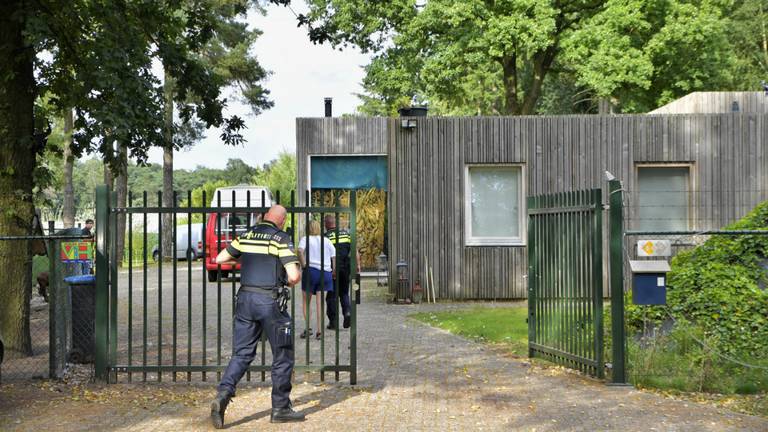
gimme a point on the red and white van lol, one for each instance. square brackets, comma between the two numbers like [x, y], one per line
[231, 225]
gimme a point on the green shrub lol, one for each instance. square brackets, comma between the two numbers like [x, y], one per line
[716, 287]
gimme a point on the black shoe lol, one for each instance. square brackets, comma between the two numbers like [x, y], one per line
[218, 406]
[347, 321]
[331, 325]
[285, 415]
[306, 333]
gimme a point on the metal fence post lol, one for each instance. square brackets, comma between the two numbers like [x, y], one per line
[532, 277]
[354, 301]
[102, 282]
[618, 333]
[57, 317]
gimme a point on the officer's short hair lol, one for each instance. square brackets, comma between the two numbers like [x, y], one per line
[314, 227]
[87, 221]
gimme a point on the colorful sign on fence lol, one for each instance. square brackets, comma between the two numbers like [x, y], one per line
[649, 248]
[76, 251]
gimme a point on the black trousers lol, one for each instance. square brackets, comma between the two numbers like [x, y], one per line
[331, 304]
[256, 312]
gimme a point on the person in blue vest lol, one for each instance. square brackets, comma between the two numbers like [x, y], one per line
[268, 263]
[343, 245]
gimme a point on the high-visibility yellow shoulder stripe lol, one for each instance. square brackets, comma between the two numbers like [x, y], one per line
[264, 250]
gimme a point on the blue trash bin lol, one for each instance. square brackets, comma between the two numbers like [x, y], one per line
[82, 295]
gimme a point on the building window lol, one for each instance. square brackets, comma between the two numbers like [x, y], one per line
[663, 198]
[494, 205]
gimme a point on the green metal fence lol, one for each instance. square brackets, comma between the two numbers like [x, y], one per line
[173, 320]
[565, 280]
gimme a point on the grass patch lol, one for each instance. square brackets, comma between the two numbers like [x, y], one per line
[505, 326]
[138, 248]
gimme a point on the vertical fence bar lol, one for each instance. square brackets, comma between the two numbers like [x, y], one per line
[130, 286]
[353, 303]
[191, 254]
[549, 311]
[218, 286]
[113, 282]
[531, 279]
[232, 233]
[175, 280]
[307, 299]
[597, 272]
[263, 336]
[293, 287]
[161, 254]
[205, 286]
[566, 279]
[102, 288]
[248, 216]
[582, 293]
[618, 335]
[321, 295]
[337, 297]
[144, 297]
[559, 264]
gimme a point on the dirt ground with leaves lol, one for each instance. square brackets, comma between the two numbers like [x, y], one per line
[411, 377]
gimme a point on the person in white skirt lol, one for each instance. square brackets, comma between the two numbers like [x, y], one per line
[318, 277]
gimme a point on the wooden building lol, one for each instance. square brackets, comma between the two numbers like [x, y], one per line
[457, 186]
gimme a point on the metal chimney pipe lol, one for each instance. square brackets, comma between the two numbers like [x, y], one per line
[329, 107]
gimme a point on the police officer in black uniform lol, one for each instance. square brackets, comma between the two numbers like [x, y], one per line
[343, 245]
[268, 263]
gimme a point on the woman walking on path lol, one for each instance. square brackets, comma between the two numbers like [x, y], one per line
[318, 277]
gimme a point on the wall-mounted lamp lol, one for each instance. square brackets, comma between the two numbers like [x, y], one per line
[408, 123]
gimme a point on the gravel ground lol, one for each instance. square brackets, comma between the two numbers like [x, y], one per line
[411, 377]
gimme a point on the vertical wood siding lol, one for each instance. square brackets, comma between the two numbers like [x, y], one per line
[726, 152]
[716, 102]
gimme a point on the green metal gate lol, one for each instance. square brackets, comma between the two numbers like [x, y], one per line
[162, 320]
[565, 280]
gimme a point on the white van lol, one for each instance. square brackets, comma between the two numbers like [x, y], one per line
[186, 247]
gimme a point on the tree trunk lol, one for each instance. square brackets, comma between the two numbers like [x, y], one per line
[18, 149]
[542, 62]
[109, 178]
[167, 234]
[509, 70]
[604, 106]
[121, 187]
[68, 208]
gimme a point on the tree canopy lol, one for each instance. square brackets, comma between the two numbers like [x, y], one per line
[97, 58]
[470, 57]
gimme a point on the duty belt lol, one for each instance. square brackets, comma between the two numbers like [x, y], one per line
[257, 289]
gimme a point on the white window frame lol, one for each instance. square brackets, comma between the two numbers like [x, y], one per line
[691, 187]
[469, 239]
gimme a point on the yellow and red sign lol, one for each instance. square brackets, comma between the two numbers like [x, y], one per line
[76, 251]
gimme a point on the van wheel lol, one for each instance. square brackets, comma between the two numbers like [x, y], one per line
[224, 274]
[212, 275]
[156, 256]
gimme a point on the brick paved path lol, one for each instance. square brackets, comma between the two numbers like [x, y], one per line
[412, 377]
